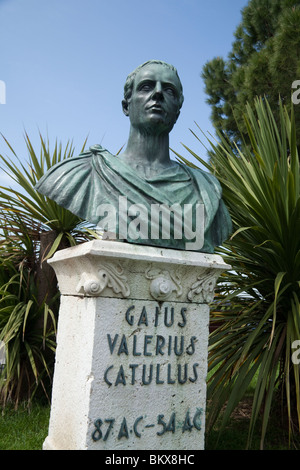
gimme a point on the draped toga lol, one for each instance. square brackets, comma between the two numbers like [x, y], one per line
[81, 184]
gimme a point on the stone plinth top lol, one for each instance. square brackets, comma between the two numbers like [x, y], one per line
[113, 269]
[116, 249]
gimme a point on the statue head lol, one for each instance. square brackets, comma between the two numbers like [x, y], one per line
[153, 96]
[130, 79]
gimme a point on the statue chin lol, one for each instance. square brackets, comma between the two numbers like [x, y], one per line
[156, 125]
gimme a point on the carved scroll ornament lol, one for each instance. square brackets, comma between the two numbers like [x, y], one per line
[108, 275]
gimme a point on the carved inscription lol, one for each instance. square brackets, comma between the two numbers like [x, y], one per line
[161, 348]
[123, 427]
[155, 348]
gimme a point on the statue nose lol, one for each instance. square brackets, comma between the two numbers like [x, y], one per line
[157, 92]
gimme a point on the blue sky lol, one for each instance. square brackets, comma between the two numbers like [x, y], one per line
[64, 64]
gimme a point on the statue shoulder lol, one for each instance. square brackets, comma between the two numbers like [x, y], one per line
[73, 182]
[209, 179]
[68, 172]
[95, 150]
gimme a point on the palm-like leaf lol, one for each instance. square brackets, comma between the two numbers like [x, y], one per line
[27, 200]
[28, 301]
[258, 302]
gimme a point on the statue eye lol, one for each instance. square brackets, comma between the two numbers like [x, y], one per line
[145, 87]
[170, 91]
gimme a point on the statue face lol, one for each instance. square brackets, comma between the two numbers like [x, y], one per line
[154, 104]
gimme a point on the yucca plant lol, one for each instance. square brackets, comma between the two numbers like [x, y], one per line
[32, 228]
[257, 303]
[26, 200]
[27, 343]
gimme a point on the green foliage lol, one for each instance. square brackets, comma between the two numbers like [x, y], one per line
[27, 201]
[25, 428]
[264, 61]
[257, 307]
[29, 297]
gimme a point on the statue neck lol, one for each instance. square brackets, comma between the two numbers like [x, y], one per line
[143, 149]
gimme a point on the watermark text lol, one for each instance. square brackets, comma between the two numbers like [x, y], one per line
[2, 92]
[296, 94]
[164, 222]
[296, 353]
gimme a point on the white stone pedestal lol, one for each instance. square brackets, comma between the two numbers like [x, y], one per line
[131, 358]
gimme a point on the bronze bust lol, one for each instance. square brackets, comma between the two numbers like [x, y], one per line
[135, 195]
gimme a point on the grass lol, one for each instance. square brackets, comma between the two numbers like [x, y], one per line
[235, 434]
[26, 429]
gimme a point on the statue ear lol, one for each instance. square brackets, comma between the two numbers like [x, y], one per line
[125, 107]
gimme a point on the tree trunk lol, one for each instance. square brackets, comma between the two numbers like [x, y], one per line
[46, 278]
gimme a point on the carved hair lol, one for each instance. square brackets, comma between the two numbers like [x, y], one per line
[128, 87]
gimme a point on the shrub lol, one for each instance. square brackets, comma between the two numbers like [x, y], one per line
[257, 303]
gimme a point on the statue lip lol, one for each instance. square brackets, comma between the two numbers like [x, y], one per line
[156, 107]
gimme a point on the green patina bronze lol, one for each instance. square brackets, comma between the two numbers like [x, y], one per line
[144, 174]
